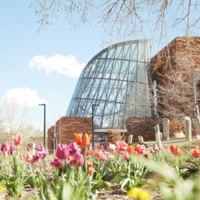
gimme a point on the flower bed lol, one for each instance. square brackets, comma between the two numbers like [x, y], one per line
[115, 171]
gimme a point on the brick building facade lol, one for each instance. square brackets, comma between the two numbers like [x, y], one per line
[141, 127]
[182, 50]
[64, 129]
[176, 67]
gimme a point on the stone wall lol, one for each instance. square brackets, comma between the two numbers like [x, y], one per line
[64, 129]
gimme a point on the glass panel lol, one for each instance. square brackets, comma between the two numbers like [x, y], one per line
[117, 80]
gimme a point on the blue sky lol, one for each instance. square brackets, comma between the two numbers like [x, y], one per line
[42, 66]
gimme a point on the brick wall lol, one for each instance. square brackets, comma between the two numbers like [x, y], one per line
[178, 59]
[141, 126]
[50, 138]
[167, 59]
[65, 128]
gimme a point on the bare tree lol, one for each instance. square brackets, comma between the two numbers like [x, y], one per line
[177, 88]
[133, 19]
[14, 119]
[136, 19]
[1, 123]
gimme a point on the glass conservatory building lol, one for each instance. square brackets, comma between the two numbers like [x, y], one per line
[115, 85]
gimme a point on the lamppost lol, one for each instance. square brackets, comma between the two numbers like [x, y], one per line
[44, 135]
[93, 106]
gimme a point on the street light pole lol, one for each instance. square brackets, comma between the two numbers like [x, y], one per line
[44, 130]
[93, 106]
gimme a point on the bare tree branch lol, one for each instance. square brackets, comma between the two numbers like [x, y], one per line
[129, 19]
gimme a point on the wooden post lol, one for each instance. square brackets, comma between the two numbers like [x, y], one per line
[188, 128]
[166, 129]
[157, 128]
[158, 139]
[197, 113]
[140, 139]
[130, 139]
[156, 149]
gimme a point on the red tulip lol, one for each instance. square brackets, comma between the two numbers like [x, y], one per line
[196, 153]
[86, 140]
[131, 149]
[146, 155]
[17, 140]
[175, 150]
[152, 151]
[78, 138]
[172, 148]
[83, 140]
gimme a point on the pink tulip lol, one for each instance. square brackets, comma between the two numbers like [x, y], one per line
[30, 147]
[103, 156]
[89, 163]
[11, 150]
[77, 160]
[28, 158]
[40, 151]
[165, 146]
[73, 148]
[35, 159]
[111, 148]
[62, 151]
[121, 146]
[4, 147]
[57, 163]
[126, 156]
[140, 148]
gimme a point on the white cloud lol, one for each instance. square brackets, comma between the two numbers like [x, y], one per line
[67, 65]
[22, 96]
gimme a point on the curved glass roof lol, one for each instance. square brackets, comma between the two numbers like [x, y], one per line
[117, 81]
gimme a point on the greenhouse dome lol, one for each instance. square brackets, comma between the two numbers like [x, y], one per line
[115, 85]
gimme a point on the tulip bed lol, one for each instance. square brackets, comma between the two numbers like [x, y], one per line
[114, 171]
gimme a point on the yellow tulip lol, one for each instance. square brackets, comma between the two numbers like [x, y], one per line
[139, 194]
